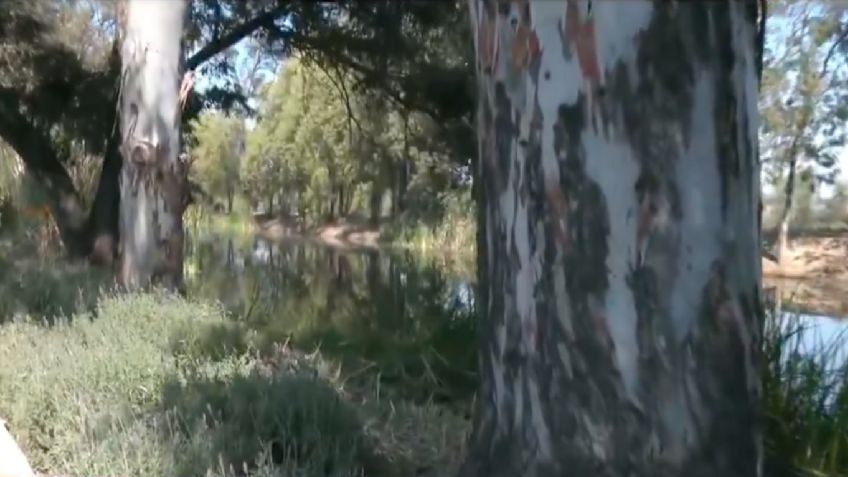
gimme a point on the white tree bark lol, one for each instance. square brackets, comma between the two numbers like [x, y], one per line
[618, 191]
[153, 177]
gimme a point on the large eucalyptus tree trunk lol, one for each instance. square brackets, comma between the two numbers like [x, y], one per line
[153, 177]
[619, 240]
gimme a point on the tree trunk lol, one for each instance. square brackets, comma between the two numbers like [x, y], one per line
[402, 184]
[33, 146]
[786, 214]
[619, 265]
[153, 179]
[375, 202]
[103, 219]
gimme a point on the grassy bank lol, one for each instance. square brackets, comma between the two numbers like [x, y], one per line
[94, 383]
[152, 385]
[453, 239]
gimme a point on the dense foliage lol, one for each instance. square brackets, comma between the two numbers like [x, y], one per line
[803, 100]
[324, 147]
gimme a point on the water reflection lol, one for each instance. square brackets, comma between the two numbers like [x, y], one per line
[410, 318]
[813, 315]
[406, 316]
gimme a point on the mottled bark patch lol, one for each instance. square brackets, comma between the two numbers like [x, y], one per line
[554, 399]
[728, 425]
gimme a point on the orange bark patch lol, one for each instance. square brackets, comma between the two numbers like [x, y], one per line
[486, 42]
[728, 313]
[526, 47]
[559, 208]
[41, 212]
[581, 34]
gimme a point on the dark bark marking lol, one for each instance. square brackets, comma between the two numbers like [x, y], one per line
[727, 442]
[504, 137]
[727, 129]
[659, 98]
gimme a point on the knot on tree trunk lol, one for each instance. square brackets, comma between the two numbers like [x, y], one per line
[143, 153]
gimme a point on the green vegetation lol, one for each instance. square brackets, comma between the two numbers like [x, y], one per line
[149, 385]
[219, 141]
[802, 111]
[453, 238]
[323, 150]
[805, 399]
[314, 362]
[300, 360]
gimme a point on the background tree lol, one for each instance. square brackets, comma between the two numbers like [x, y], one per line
[61, 67]
[216, 154]
[621, 315]
[328, 147]
[414, 53]
[803, 107]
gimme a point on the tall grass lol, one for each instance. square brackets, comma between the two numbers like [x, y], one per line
[452, 239]
[805, 399]
[145, 385]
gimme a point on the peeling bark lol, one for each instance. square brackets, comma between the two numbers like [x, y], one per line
[618, 193]
[153, 178]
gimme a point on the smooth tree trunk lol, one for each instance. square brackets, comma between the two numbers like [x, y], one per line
[153, 178]
[619, 271]
[786, 215]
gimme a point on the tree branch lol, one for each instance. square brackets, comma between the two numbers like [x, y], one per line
[842, 37]
[33, 146]
[234, 36]
[761, 39]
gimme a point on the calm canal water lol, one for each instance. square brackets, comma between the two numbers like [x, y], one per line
[411, 318]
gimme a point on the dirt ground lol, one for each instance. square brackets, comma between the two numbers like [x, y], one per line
[341, 234]
[812, 257]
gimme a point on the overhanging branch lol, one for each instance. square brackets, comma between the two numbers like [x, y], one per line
[234, 36]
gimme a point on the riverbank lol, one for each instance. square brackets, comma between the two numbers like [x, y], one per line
[149, 385]
[455, 236]
[812, 257]
[342, 234]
